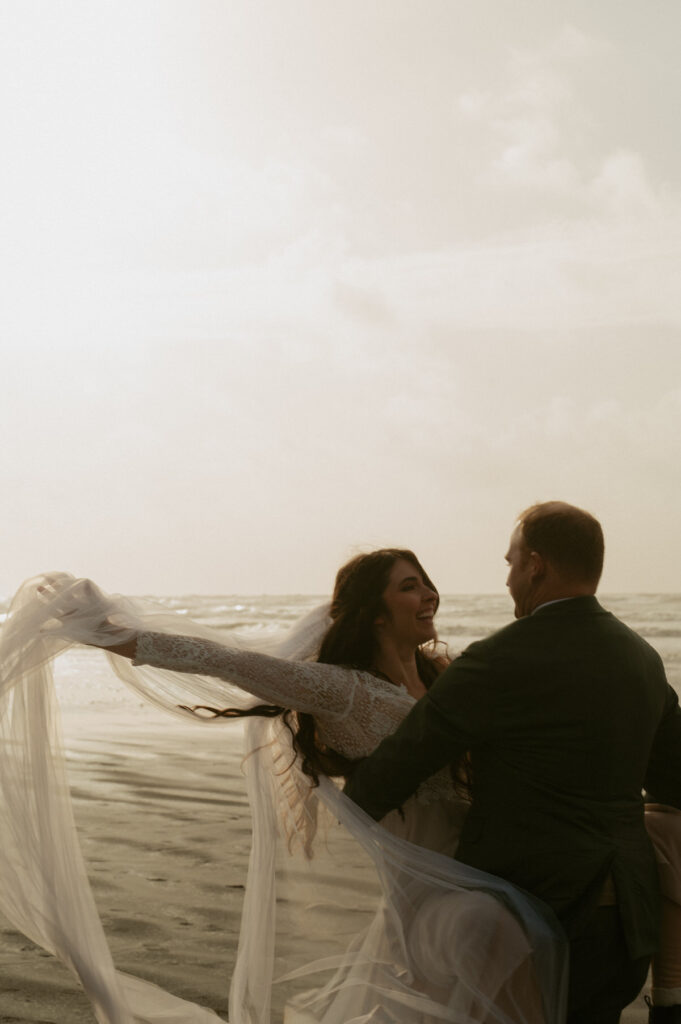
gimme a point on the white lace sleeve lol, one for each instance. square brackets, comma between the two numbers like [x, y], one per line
[310, 687]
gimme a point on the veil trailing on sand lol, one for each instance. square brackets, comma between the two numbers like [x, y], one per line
[407, 965]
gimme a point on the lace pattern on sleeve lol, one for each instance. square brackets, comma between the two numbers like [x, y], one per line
[309, 687]
[354, 710]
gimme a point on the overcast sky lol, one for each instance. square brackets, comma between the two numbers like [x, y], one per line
[285, 279]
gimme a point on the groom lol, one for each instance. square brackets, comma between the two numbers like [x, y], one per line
[567, 715]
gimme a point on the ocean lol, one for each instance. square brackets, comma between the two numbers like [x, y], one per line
[85, 679]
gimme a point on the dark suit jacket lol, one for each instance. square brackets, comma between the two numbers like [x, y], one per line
[567, 715]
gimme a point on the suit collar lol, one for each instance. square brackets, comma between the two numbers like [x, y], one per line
[569, 606]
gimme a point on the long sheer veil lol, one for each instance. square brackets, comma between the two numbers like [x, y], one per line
[399, 956]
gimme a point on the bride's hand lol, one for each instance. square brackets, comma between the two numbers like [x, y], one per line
[83, 613]
[69, 597]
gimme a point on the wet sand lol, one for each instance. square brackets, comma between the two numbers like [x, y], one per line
[164, 827]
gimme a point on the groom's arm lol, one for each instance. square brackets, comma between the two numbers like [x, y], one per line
[663, 778]
[450, 720]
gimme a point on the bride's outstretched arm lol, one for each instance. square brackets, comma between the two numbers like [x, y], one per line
[310, 687]
[87, 615]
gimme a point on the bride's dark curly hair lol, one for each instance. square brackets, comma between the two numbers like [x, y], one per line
[349, 641]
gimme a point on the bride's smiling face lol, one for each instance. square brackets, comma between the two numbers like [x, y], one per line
[409, 606]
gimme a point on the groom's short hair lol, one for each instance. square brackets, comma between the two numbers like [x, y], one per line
[567, 536]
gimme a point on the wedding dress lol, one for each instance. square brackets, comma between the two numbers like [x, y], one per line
[442, 942]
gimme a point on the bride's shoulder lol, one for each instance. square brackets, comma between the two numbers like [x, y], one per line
[376, 688]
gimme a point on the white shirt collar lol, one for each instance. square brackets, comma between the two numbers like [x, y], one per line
[557, 600]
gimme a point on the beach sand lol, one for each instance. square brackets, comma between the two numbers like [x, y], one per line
[164, 826]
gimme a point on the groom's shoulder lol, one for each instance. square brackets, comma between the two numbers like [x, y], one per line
[582, 619]
[558, 616]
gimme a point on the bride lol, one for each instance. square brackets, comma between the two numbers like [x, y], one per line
[446, 943]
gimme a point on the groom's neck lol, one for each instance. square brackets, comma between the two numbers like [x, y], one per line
[559, 590]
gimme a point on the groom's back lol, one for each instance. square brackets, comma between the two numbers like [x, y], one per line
[573, 700]
[565, 715]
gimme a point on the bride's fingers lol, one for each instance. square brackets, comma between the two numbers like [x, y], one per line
[65, 604]
[49, 593]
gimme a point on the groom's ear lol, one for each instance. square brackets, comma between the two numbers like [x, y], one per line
[537, 566]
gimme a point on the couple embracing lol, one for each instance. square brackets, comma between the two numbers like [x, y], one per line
[526, 757]
[567, 716]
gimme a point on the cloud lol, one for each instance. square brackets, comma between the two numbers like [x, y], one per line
[362, 304]
[540, 122]
[528, 116]
[622, 185]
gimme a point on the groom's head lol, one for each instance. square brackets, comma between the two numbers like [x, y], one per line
[556, 551]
